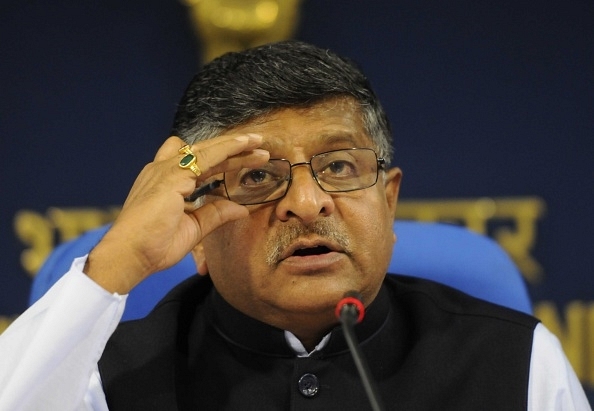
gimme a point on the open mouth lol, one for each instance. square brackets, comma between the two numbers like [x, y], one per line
[318, 250]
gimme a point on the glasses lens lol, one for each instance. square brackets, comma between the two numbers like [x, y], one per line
[345, 170]
[258, 185]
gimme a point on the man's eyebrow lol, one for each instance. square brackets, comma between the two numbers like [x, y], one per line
[338, 138]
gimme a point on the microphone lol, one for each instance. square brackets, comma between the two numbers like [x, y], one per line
[350, 308]
[351, 311]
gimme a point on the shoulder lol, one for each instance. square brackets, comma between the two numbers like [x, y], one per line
[154, 341]
[170, 318]
[185, 295]
[454, 334]
[427, 297]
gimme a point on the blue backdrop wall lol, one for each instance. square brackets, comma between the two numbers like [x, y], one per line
[487, 99]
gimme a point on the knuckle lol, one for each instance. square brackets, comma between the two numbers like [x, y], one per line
[202, 160]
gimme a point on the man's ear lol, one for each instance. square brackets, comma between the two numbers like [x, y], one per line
[393, 177]
[200, 259]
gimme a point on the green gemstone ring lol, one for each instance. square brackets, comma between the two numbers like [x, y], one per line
[189, 160]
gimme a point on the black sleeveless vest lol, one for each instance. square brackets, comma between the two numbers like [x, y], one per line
[429, 347]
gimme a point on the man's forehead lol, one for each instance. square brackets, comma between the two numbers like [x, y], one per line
[332, 123]
[329, 140]
[330, 107]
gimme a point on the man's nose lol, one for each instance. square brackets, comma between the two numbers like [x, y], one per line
[304, 199]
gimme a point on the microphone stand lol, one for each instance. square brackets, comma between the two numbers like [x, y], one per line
[350, 313]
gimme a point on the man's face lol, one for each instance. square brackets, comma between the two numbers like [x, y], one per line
[293, 259]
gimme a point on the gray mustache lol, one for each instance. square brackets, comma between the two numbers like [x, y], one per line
[285, 236]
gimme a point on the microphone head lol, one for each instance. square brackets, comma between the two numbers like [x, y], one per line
[351, 304]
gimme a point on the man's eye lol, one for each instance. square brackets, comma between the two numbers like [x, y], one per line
[256, 177]
[339, 169]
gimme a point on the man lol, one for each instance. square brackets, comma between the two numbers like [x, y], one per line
[289, 148]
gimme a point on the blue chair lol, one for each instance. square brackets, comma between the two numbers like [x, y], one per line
[460, 258]
[449, 254]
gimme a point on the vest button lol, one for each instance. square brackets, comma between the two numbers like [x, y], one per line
[309, 385]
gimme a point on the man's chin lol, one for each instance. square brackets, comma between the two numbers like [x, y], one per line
[315, 301]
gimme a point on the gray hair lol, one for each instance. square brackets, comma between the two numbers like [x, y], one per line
[238, 87]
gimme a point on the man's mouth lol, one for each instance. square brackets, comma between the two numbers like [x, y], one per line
[312, 256]
[317, 250]
[310, 248]
[297, 244]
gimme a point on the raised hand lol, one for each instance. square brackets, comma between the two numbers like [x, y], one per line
[157, 227]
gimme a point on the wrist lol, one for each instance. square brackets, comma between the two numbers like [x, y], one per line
[113, 269]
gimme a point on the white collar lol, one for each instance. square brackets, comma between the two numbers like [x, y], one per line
[298, 347]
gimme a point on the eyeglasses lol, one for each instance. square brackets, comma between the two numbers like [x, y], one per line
[334, 171]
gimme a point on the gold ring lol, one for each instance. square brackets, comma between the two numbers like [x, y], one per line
[189, 161]
[185, 150]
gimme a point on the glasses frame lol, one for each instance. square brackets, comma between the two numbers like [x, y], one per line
[381, 165]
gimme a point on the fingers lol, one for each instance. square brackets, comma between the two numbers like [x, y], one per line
[169, 175]
[215, 214]
[219, 154]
